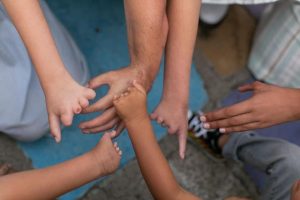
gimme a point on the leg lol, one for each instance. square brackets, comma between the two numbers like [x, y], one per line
[278, 159]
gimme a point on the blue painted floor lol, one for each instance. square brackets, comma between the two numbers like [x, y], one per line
[98, 26]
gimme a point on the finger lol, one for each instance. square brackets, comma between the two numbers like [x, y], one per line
[231, 111]
[251, 86]
[100, 105]
[172, 130]
[241, 128]
[83, 102]
[67, 118]
[98, 81]
[119, 129]
[77, 109]
[246, 87]
[55, 127]
[104, 127]
[232, 121]
[139, 87]
[90, 94]
[182, 135]
[102, 119]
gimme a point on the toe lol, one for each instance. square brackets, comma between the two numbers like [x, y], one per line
[67, 118]
[160, 120]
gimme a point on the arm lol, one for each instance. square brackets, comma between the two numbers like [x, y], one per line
[52, 182]
[64, 96]
[131, 107]
[269, 105]
[145, 21]
[183, 17]
[153, 164]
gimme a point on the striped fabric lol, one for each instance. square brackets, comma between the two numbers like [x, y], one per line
[275, 55]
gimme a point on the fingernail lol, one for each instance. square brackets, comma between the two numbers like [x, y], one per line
[206, 125]
[203, 118]
[85, 131]
[222, 130]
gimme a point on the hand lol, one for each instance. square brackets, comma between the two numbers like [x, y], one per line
[296, 191]
[173, 115]
[269, 105]
[64, 98]
[131, 105]
[118, 81]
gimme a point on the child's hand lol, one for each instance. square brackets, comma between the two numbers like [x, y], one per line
[131, 105]
[173, 115]
[65, 98]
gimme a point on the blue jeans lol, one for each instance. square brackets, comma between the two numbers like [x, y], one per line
[277, 159]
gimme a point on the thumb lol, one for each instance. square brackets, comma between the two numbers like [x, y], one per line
[99, 81]
[182, 135]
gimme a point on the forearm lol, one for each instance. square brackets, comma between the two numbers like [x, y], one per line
[51, 182]
[146, 40]
[153, 164]
[32, 26]
[183, 19]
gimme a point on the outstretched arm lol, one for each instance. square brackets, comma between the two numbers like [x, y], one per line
[64, 96]
[146, 29]
[52, 182]
[183, 17]
[132, 109]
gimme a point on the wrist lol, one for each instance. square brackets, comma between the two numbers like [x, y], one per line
[295, 108]
[137, 121]
[146, 74]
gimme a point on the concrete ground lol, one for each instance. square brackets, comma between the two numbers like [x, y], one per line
[199, 174]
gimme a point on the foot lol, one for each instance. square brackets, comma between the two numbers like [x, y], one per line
[64, 98]
[172, 115]
[107, 155]
[4, 169]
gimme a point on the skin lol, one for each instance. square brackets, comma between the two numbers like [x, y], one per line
[131, 107]
[54, 181]
[64, 96]
[146, 42]
[269, 105]
[171, 112]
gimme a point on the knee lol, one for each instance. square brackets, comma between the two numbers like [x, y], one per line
[290, 162]
[30, 133]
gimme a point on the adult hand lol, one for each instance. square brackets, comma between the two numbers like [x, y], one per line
[269, 105]
[118, 81]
